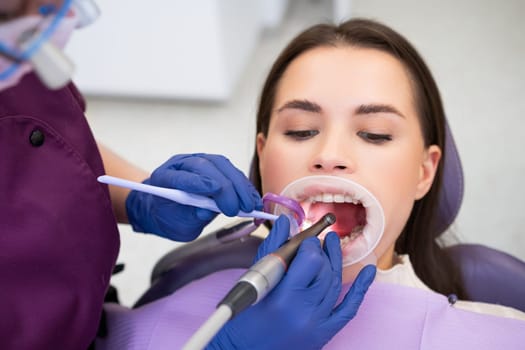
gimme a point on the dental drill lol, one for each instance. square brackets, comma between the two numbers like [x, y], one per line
[255, 284]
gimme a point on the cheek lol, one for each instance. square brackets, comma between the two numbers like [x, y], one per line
[394, 182]
[400, 182]
[391, 176]
[278, 166]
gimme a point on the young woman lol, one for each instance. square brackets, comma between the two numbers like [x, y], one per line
[356, 101]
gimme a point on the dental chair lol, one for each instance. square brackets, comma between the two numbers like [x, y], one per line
[490, 275]
[204, 256]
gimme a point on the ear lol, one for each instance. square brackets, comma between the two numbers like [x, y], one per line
[428, 170]
[261, 142]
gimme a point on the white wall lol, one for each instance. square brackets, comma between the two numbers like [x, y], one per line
[170, 48]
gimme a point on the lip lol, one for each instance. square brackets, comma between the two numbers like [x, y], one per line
[324, 188]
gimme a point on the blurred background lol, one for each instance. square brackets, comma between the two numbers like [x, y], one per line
[164, 77]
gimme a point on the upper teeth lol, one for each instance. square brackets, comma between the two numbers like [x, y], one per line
[333, 198]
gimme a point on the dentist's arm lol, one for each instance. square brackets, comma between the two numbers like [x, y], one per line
[117, 166]
[209, 175]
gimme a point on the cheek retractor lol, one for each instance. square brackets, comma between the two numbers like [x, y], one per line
[334, 190]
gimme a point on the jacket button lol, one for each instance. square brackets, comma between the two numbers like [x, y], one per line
[37, 138]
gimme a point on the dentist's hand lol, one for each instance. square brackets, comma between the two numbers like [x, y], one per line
[207, 175]
[301, 312]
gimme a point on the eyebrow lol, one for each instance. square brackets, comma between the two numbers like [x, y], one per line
[378, 108]
[304, 105]
[371, 108]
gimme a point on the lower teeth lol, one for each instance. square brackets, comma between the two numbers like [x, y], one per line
[356, 232]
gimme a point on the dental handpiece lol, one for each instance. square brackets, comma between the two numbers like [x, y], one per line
[255, 284]
[262, 277]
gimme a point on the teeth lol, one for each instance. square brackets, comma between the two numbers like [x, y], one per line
[328, 198]
[334, 198]
[339, 198]
[354, 235]
[356, 232]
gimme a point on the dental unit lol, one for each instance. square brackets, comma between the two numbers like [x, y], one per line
[34, 45]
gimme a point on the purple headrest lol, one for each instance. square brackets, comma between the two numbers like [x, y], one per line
[452, 188]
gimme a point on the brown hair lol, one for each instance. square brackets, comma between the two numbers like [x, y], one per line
[418, 239]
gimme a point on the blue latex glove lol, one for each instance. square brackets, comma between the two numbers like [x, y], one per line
[301, 312]
[203, 174]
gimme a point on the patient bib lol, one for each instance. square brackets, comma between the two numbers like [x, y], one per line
[391, 317]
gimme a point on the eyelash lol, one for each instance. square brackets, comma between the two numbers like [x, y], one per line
[367, 136]
[374, 138]
[301, 134]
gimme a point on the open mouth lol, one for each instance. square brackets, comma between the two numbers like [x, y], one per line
[359, 216]
[349, 212]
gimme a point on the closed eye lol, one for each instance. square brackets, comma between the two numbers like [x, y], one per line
[301, 134]
[374, 138]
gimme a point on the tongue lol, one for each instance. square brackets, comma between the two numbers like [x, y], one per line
[347, 215]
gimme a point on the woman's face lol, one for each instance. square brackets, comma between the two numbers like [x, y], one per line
[350, 112]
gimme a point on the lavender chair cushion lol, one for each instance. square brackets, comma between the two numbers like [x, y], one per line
[490, 275]
[452, 189]
[198, 259]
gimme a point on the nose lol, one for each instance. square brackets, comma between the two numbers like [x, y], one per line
[333, 156]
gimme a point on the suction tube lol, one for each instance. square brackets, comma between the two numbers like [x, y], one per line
[255, 284]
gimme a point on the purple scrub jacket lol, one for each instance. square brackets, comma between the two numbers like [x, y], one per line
[58, 234]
